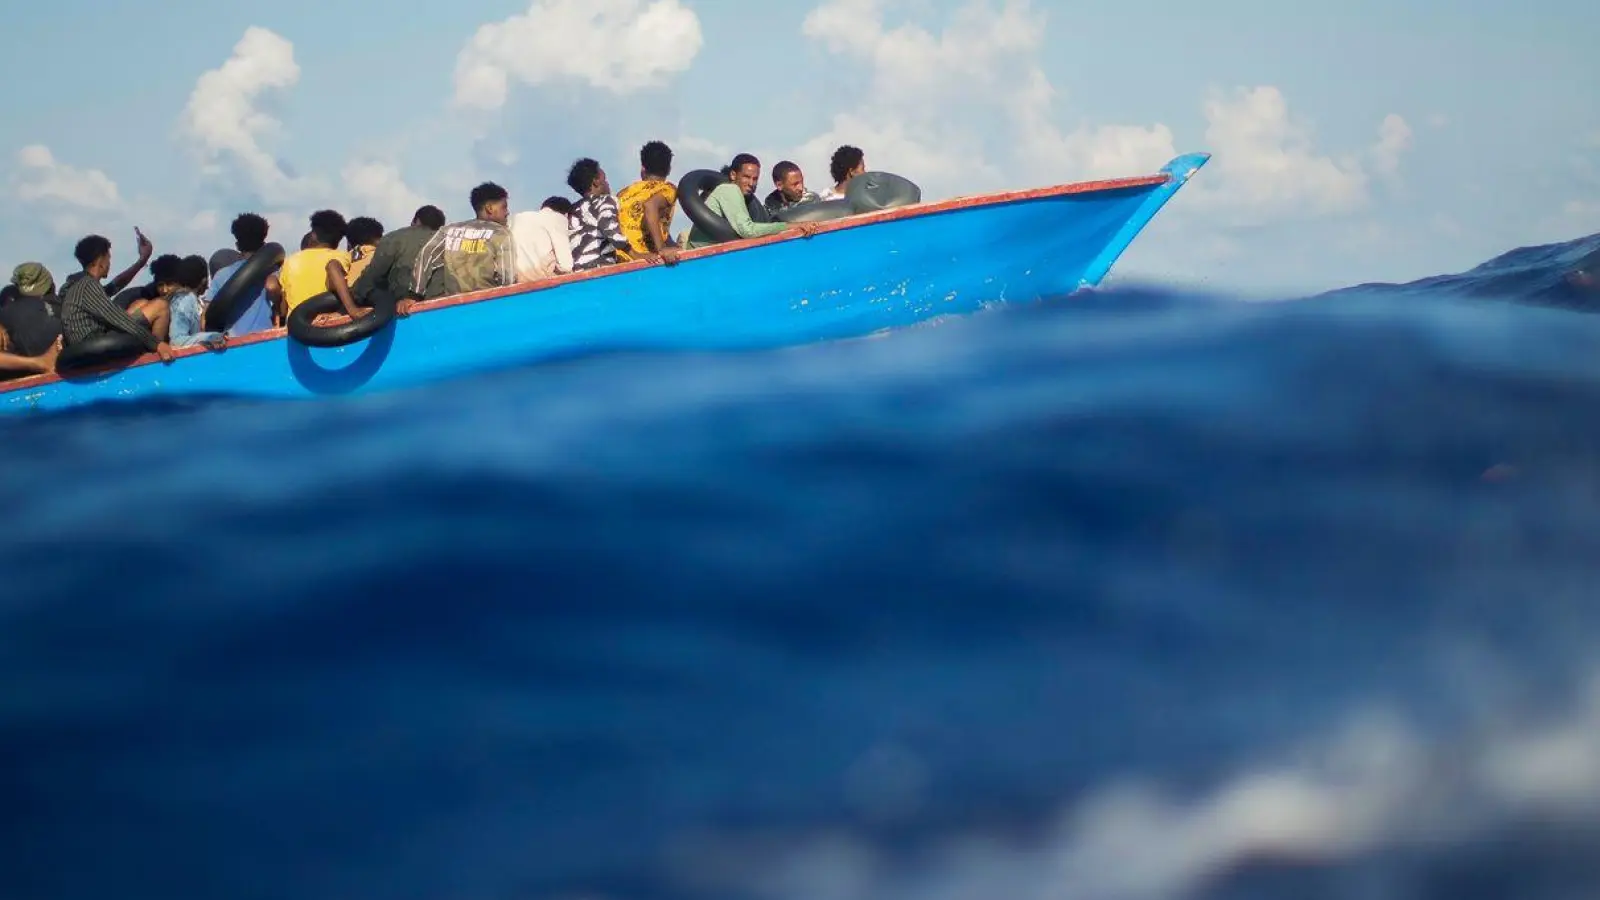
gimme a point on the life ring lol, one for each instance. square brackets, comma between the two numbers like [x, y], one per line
[303, 329]
[99, 349]
[872, 191]
[817, 211]
[233, 298]
[692, 191]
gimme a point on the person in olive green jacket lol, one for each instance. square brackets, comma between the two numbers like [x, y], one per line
[387, 277]
[469, 256]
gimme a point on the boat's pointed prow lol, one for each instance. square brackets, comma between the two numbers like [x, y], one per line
[1179, 171]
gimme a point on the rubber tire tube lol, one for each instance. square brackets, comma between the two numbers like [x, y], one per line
[235, 297]
[872, 191]
[100, 349]
[302, 329]
[817, 211]
[692, 191]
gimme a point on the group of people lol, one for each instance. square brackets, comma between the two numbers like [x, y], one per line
[363, 266]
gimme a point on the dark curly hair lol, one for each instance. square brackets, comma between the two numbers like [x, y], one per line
[582, 176]
[845, 159]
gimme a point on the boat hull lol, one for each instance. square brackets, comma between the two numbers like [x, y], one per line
[854, 277]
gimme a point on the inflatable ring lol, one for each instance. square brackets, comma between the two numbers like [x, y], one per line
[302, 329]
[233, 298]
[872, 191]
[103, 348]
[692, 191]
[817, 211]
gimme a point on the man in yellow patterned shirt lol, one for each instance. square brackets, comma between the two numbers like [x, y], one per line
[646, 207]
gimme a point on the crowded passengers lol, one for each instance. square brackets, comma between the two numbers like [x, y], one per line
[363, 266]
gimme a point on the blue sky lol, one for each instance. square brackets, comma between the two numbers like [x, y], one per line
[1357, 141]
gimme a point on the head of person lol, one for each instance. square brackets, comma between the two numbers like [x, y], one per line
[222, 259]
[307, 241]
[327, 229]
[655, 161]
[94, 254]
[745, 171]
[249, 233]
[430, 217]
[559, 204]
[32, 279]
[789, 180]
[164, 272]
[587, 179]
[362, 231]
[192, 274]
[491, 203]
[847, 163]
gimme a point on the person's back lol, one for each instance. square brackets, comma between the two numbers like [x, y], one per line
[644, 208]
[540, 236]
[29, 311]
[388, 274]
[474, 255]
[305, 274]
[249, 236]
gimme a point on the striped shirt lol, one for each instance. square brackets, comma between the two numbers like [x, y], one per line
[86, 311]
[596, 231]
[468, 256]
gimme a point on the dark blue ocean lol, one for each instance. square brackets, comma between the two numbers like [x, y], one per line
[1143, 594]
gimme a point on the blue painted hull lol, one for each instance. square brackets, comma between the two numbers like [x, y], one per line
[855, 278]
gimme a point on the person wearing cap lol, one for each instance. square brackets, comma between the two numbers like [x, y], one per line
[30, 327]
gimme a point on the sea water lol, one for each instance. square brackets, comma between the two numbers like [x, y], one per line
[1140, 594]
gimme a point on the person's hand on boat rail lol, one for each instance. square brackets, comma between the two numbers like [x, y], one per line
[164, 351]
[807, 229]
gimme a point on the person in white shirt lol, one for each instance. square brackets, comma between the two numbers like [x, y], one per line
[847, 163]
[540, 237]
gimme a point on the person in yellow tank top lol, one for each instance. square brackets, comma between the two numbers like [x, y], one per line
[646, 206]
[319, 268]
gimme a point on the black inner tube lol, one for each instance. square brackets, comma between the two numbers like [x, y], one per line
[817, 211]
[872, 191]
[100, 349]
[302, 329]
[230, 302]
[692, 191]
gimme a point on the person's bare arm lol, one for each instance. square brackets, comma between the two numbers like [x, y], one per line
[341, 289]
[43, 364]
[127, 275]
[655, 229]
[274, 290]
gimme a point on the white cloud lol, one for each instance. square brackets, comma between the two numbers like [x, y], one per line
[621, 46]
[1438, 120]
[1394, 140]
[378, 189]
[41, 178]
[224, 120]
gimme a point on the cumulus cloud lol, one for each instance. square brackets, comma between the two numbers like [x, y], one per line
[968, 107]
[619, 46]
[1394, 140]
[378, 189]
[225, 122]
[68, 200]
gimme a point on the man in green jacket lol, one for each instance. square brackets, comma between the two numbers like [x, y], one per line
[729, 201]
[388, 276]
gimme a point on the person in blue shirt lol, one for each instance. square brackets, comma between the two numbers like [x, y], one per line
[186, 308]
[249, 236]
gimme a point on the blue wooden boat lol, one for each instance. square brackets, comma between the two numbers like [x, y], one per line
[854, 277]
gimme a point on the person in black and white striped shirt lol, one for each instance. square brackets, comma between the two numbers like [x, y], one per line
[595, 224]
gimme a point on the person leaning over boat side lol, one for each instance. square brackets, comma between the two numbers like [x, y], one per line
[729, 200]
[316, 270]
[595, 227]
[644, 208]
[30, 311]
[249, 236]
[116, 285]
[86, 311]
[361, 238]
[387, 276]
[543, 245]
[791, 188]
[187, 310]
[469, 256]
[847, 163]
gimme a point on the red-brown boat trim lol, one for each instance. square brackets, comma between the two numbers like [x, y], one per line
[529, 287]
